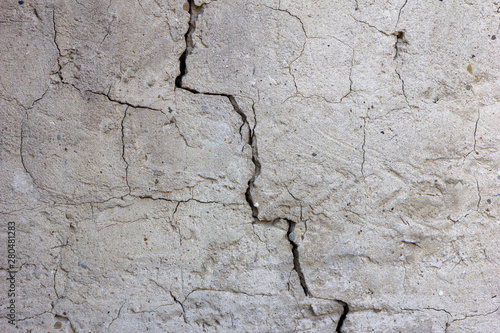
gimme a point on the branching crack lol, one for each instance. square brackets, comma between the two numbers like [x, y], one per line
[181, 305]
[399, 45]
[296, 260]
[474, 136]
[303, 44]
[58, 72]
[243, 116]
[194, 12]
[121, 102]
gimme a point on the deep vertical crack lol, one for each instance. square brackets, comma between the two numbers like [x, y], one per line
[194, 12]
[342, 317]
[296, 260]
[254, 206]
[401, 41]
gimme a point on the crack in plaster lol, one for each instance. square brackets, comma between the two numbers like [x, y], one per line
[369, 25]
[343, 316]
[400, 11]
[296, 261]
[59, 53]
[289, 67]
[123, 149]
[402, 87]
[475, 130]
[363, 148]
[350, 78]
[117, 316]
[195, 11]
[252, 139]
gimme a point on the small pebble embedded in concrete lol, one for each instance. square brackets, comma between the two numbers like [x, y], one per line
[314, 154]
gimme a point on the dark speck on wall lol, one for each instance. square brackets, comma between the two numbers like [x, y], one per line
[493, 37]
[488, 201]
[314, 154]
[21, 2]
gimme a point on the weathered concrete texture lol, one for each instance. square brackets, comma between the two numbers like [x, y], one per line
[129, 50]
[253, 166]
[66, 130]
[170, 154]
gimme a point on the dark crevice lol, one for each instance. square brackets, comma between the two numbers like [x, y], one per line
[194, 12]
[342, 317]
[255, 160]
[296, 261]
[182, 61]
[400, 44]
[257, 167]
[243, 116]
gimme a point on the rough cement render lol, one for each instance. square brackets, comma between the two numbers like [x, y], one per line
[251, 165]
